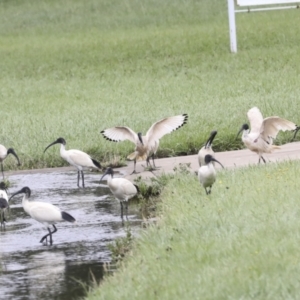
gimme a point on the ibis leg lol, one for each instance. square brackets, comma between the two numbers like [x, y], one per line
[121, 203]
[126, 209]
[2, 170]
[153, 161]
[55, 229]
[82, 177]
[261, 157]
[45, 236]
[78, 178]
[49, 234]
[134, 171]
[208, 191]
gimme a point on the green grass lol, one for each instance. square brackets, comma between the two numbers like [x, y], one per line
[73, 69]
[240, 242]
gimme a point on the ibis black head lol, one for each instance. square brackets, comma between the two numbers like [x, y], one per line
[2, 186]
[25, 190]
[211, 138]
[58, 141]
[12, 151]
[140, 137]
[109, 171]
[209, 158]
[244, 127]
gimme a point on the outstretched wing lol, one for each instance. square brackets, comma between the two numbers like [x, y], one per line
[120, 133]
[272, 125]
[165, 126]
[256, 119]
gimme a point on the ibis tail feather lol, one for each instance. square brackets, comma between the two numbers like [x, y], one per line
[67, 217]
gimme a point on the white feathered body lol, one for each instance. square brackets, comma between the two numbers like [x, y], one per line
[207, 175]
[3, 201]
[122, 188]
[42, 212]
[77, 158]
[3, 153]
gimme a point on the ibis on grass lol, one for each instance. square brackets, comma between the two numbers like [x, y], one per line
[121, 188]
[207, 148]
[3, 154]
[43, 212]
[3, 203]
[145, 146]
[259, 138]
[76, 158]
[207, 173]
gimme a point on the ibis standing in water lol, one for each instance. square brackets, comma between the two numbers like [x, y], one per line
[263, 131]
[121, 188]
[207, 149]
[3, 154]
[3, 203]
[145, 146]
[43, 212]
[207, 173]
[76, 158]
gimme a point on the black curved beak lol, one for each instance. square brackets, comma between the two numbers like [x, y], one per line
[56, 142]
[213, 159]
[140, 138]
[211, 138]
[106, 172]
[12, 151]
[16, 193]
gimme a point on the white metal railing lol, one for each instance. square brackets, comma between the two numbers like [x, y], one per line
[253, 5]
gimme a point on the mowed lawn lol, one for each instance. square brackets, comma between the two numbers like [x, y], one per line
[71, 69]
[240, 242]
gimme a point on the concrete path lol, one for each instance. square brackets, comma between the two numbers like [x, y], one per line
[229, 159]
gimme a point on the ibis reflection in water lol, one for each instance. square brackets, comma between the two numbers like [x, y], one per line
[145, 146]
[259, 138]
[76, 158]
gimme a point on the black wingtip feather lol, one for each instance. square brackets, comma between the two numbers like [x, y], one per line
[67, 217]
[137, 188]
[107, 138]
[96, 163]
[184, 122]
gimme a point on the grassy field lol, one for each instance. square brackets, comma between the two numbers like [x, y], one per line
[240, 242]
[72, 69]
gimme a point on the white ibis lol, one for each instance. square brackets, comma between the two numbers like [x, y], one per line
[3, 203]
[145, 146]
[207, 173]
[121, 188]
[43, 212]
[263, 131]
[207, 149]
[3, 154]
[76, 158]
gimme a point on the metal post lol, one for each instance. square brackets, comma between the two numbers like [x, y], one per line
[232, 28]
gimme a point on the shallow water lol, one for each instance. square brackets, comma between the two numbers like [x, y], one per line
[31, 270]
